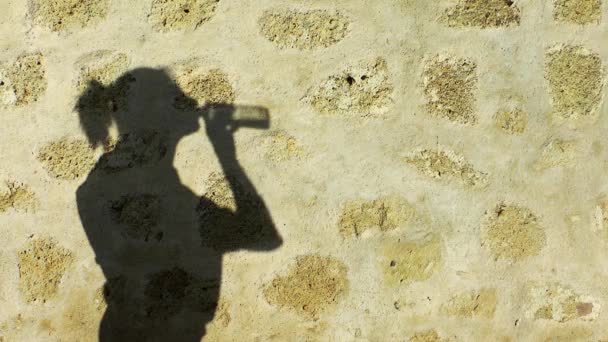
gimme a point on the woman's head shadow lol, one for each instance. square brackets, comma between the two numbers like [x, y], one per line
[141, 99]
[151, 114]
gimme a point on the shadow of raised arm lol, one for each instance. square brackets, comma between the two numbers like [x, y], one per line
[250, 226]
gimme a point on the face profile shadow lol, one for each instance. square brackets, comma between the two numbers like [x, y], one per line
[160, 245]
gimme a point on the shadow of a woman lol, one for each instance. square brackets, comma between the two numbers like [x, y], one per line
[159, 245]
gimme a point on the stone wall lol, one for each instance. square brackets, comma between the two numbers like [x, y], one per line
[436, 169]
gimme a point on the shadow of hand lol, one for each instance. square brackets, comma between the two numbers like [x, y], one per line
[220, 127]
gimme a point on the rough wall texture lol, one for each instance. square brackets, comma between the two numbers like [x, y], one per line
[437, 169]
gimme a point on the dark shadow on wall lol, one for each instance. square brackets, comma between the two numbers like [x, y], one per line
[159, 245]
